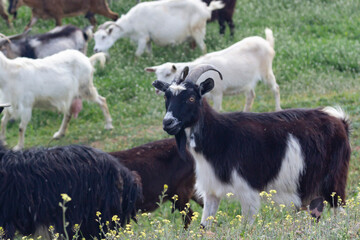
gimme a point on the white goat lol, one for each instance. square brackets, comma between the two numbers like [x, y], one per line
[163, 22]
[242, 66]
[57, 82]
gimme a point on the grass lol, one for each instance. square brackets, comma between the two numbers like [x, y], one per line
[317, 63]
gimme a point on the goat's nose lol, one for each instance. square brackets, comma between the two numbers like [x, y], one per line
[168, 122]
[96, 50]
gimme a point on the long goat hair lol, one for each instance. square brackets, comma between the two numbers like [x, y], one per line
[31, 182]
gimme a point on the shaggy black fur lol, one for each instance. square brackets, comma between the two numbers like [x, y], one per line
[32, 180]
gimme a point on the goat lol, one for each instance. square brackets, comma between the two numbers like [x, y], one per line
[159, 163]
[224, 15]
[162, 22]
[47, 44]
[31, 182]
[60, 82]
[59, 9]
[243, 64]
[303, 154]
[3, 13]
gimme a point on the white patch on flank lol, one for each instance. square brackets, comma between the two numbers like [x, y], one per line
[176, 89]
[34, 43]
[287, 182]
[335, 112]
[209, 186]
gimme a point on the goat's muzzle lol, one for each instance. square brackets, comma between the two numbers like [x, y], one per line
[171, 126]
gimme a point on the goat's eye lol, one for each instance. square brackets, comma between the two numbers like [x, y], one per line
[103, 37]
[167, 75]
[191, 99]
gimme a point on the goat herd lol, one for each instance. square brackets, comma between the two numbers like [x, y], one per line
[303, 154]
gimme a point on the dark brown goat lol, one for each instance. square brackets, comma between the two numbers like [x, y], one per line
[159, 163]
[224, 15]
[58, 9]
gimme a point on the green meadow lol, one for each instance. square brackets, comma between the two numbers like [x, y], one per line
[317, 63]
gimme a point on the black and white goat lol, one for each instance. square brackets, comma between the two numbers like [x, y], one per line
[46, 44]
[303, 154]
[32, 181]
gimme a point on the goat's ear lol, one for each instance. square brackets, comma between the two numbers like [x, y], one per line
[162, 86]
[206, 86]
[173, 69]
[150, 69]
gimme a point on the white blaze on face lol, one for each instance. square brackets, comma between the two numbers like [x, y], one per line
[176, 89]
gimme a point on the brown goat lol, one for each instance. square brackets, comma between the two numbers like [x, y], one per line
[58, 9]
[159, 163]
[3, 13]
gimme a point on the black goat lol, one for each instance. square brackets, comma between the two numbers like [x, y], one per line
[224, 15]
[159, 163]
[303, 154]
[32, 180]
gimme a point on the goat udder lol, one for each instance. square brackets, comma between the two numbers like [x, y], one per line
[76, 107]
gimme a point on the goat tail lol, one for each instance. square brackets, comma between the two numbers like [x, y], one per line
[215, 5]
[98, 57]
[132, 192]
[270, 37]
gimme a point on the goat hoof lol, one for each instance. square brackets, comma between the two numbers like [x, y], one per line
[58, 135]
[109, 126]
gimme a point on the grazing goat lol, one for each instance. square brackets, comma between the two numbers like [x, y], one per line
[60, 82]
[47, 44]
[162, 22]
[242, 65]
[59, 9]
[224, 15]
[33, 180]
[303, 154]
[3, 13]
[159, 163]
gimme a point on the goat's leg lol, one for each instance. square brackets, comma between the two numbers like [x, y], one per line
[141, 47]
[250, 96]
[231, 26]
[211, 205]
[25, 119]
[63, 127]
[102, 103]
[271, 80]
[4, 120]
[91, 17]
[58, 21]
[250, 204]
[199, 36]
[222, 25]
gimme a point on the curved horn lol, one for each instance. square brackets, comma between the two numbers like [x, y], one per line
[199, 70]
[183, 75]
[107, 24]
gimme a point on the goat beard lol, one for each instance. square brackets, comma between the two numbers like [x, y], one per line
[76, 107]
[181, 143]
